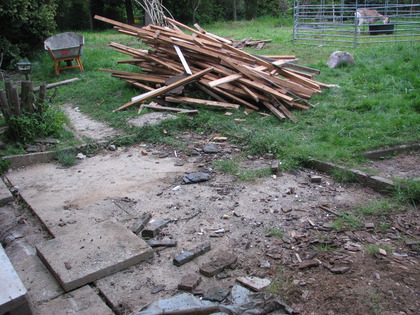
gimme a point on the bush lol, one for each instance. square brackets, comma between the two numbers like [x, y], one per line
[28, 24]
[29, 126]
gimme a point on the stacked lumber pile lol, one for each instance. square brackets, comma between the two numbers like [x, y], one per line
[232, 77]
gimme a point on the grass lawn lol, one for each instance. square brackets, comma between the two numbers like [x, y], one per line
[376, 104]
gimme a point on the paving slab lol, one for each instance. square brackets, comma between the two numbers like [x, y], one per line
[83, 301]
[13, 294]
[5, 195]
[84, 256]
[87, 191]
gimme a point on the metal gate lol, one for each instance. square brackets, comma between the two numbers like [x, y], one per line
[335, 23]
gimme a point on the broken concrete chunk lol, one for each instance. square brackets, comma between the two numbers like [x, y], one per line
[217, 294]
[275, 166]
[196, 177]
[254, 283]
[308, 264]
[190, 255]
[154, 227]
[189, 282]
[140, 223]
[219, 263]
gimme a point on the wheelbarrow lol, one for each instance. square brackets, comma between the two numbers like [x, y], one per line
[65, 47]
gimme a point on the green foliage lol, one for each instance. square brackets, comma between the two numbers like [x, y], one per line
[243, 174]
[29, 126]
[407, 191]
[343, 176]
[346, 222]
[4, 165]
[28, 24]
[275, 231]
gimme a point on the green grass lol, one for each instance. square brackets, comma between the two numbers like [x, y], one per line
[243, 174]
[274, 231]
[376, 105]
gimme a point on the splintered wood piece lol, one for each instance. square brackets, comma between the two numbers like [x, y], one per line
[139, 85]
[162, 90]
[196, 101]
[227, 79]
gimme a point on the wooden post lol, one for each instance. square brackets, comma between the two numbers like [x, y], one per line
[4, 105]
[26, 96]
[13, 97]
[41, 98]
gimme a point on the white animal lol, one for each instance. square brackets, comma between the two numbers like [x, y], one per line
[369, 17]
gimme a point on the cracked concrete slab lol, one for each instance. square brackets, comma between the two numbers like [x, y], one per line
[83, 256]
[83, 301]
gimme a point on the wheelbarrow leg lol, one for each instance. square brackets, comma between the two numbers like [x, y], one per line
[56, 67]
[79, 62]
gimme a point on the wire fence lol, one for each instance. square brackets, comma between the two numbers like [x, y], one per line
[337, 25]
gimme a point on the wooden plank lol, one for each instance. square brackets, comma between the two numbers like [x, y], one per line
[227, 79]
[201, 102]
[275, 111]
[172, 109]
[162, 90]
[27, 96]
[136, 76]
[139, 85]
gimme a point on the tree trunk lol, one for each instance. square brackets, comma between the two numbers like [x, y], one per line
[129, 11]
[235, 15]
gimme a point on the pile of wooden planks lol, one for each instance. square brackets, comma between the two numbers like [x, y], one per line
[230, 76]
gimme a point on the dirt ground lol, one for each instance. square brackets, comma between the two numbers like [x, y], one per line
[273, 225]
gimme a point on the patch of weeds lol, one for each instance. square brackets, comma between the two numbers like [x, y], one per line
[4, 165]
[407, 191]
[378, 207]
[343, 176]
[66, 158]
[325, 247]
[373, 249]
[274, 231]
[281, 287]
[373, 300]
[246, 175]
[227, 166]
[346, 222]
[251, 175]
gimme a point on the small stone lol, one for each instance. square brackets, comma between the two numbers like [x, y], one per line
[316, 179]
[80, 156]
[157, 288]
[370, 225]
[112, 147]
[382, 251]
[339, 270]
[179, 162]
[308, 264]
[190, 255]
[211, 148]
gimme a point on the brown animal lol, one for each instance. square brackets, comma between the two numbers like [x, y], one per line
[369, 17]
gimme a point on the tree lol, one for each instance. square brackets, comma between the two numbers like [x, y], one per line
[24, 25]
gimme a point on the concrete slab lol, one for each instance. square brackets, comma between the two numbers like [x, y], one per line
[83, 301]
[86, 192]
[5, 195]
[41, 284]
[86, 255]
[13, 294]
